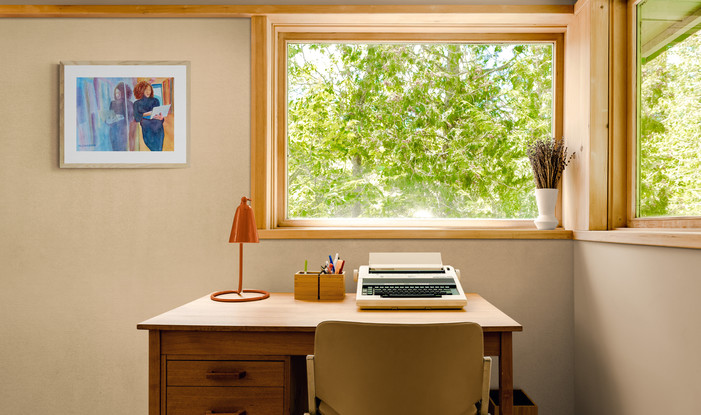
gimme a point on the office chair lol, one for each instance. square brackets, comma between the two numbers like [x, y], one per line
[403, 369]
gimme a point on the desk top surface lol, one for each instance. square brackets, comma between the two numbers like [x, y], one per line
[281, 312]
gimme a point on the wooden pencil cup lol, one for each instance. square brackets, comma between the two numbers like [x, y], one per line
[306, 286]
[319, 287]
[332, 287]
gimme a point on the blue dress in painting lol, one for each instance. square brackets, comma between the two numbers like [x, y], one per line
[119, 127]
[152, 130]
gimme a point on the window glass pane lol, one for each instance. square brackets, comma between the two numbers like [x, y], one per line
[409, 130]
[669, 118]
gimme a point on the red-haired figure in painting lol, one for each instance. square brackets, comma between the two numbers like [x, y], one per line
[151, 127]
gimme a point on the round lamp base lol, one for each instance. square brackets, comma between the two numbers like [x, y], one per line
[263, 296]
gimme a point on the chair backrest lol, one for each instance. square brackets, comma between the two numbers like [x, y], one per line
[364, 368]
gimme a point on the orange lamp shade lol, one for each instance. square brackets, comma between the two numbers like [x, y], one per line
[244, 228]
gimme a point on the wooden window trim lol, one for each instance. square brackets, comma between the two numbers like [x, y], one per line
[678, 238]
[268, 182]
[411, 233]
[654, 224]
[622, 226]
[548, 13]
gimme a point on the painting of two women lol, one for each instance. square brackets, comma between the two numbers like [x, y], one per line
[115, 114]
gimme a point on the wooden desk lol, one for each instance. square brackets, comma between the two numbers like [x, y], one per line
[205, 343]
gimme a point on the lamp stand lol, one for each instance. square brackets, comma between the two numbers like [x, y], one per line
[263, 296]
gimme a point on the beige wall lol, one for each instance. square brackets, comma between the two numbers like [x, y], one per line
[86, 254]
[637, 336]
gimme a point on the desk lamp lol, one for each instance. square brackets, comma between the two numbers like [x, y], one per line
[243, 231]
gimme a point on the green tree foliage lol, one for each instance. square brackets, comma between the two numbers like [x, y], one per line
[415, 130]
[670, 131]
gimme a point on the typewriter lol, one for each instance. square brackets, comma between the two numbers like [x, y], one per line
[408, 280]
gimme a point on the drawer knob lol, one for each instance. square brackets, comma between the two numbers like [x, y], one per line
[241, 412]
[235, 374]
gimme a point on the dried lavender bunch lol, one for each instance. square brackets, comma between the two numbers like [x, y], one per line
[548, 159]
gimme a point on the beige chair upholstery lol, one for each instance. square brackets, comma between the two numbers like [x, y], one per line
[403, 369]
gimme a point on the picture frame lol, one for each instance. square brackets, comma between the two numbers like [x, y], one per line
[128, 114]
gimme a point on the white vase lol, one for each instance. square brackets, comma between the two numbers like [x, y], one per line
[546, 200]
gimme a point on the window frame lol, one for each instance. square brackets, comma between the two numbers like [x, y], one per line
[633, 221]
[269, 186]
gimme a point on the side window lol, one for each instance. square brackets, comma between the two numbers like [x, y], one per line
[669, 109]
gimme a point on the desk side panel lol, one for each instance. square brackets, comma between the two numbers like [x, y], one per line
[492, 343]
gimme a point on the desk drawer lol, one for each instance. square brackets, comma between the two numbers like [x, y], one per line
[224, 400]
[225, 373]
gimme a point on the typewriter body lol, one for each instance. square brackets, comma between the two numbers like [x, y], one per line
[408, 280]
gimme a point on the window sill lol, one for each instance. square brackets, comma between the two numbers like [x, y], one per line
[678, 238]
[409, 233]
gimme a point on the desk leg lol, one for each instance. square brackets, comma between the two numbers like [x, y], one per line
[154, 372]
[506, 375]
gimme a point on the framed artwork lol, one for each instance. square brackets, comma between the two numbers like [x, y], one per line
[124, 114]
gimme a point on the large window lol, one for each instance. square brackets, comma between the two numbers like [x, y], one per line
[395, 131]
[669, 109]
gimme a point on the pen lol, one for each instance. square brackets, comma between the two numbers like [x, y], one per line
[305, 266]
[335, 261]
[340, 267]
